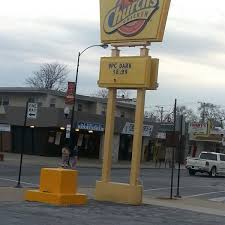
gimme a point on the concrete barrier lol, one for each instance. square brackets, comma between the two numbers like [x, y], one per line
[58, 187]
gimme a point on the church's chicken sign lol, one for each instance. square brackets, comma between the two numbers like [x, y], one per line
[133, 20]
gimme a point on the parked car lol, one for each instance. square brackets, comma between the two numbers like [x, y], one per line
[208, 162]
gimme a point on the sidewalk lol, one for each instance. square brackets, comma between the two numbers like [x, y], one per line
[82, 163]
[196, 206]
[190, 204]
[10, 194]
[16, 195]
[95, 213]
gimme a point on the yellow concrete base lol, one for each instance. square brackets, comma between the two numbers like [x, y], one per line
[56, 199]
[57, 186]
[119, 193]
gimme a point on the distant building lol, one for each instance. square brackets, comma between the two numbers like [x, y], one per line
[46, 134]
[205, 137]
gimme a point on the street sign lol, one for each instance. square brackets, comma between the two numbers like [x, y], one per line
[129, 129]
[197, 128]
[90, 126]
[32, 110]
[68, 130]
[161, 135]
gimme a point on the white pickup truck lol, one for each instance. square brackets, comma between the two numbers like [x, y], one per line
[208, 162]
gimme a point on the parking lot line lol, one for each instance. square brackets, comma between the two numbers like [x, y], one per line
[220, 199]
[167, 188]
[208, 193]
[157, 189]
[11, 180]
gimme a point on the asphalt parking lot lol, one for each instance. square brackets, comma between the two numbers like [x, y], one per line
[156, 181]
[154, 211]
[95, 213]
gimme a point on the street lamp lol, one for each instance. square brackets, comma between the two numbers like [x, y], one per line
[75, 89]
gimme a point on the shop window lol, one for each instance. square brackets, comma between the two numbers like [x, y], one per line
[122, 114]
[51, 137]
[35, 100]
[4, 100]
[31, 99]
[52, 103]
[79, 107]
[103, 110]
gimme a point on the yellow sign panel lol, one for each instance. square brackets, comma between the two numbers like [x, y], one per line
[154, 74]
[129, 72]
[133, 20]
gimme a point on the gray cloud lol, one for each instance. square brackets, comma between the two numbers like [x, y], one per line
[191, 48]
[189, 44]
[23, 49]
[64, 37]
[76, 32]
[61, 40]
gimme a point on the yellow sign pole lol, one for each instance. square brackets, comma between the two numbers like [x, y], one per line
[109, 129]
[138, 130]
[144, 23]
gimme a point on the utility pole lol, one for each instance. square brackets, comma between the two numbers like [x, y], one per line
[203, 116]
[179, 156]
[203, 105]
[174, 147]
[23, 146]
[161, 111]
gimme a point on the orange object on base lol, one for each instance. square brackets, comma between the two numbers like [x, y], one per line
[58, 187]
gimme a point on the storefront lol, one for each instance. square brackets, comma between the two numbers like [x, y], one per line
[203, 137]
[126, 140]
[5, 137]
[88, 139]
[125, 148]
[38, 140]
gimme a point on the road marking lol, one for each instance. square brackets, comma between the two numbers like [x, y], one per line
[167, 188]
[157, 189]
[208, 193]
[6, 179]
[220, 199]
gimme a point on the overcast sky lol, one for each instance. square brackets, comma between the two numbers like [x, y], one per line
[192, 54]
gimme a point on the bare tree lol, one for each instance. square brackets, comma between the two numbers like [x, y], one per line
[102, 93]
[168, 118]
[189, 114]
[50, 76]
[209, 111]
[153, 117]
[121, 93]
